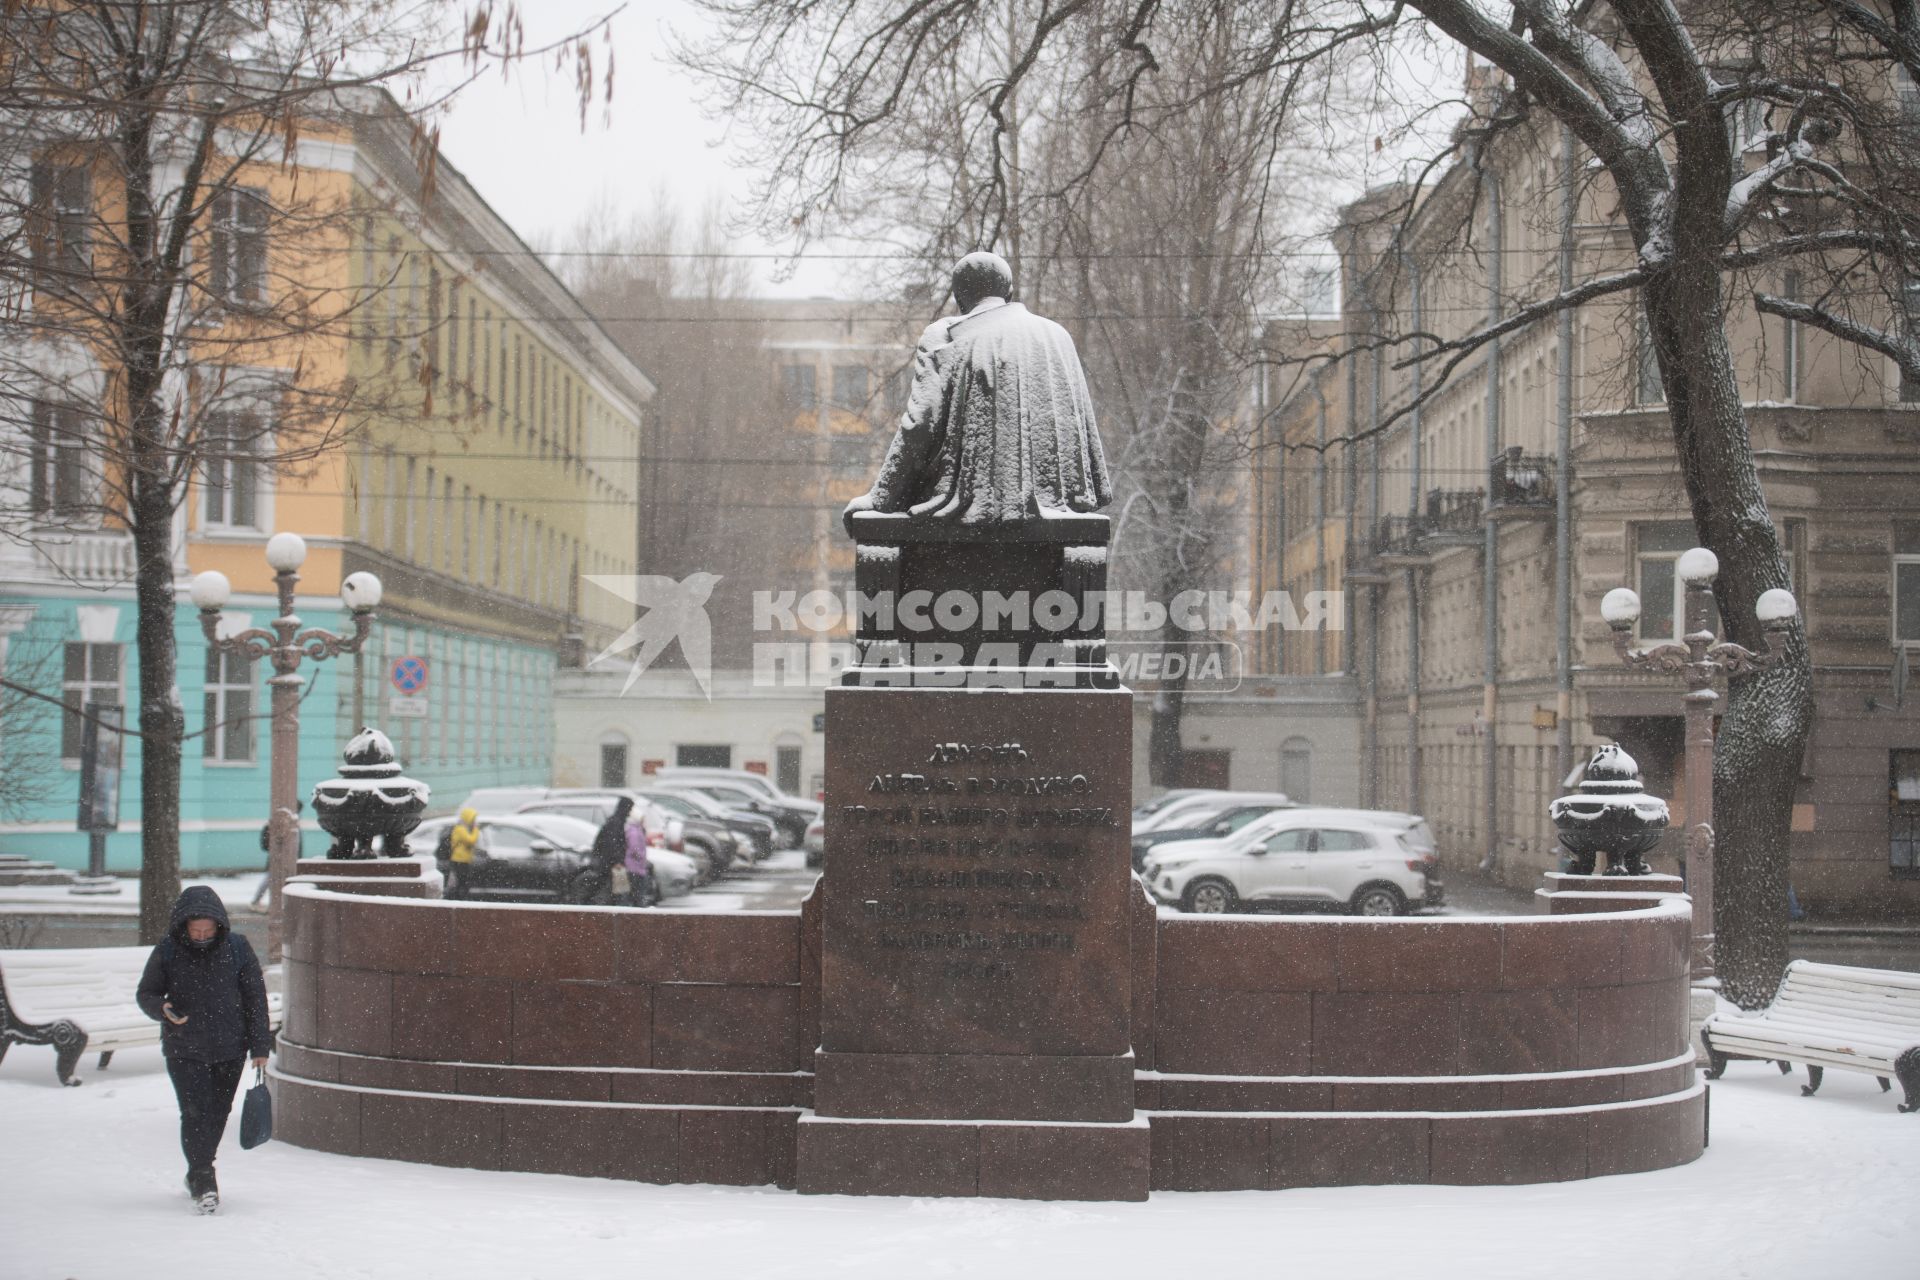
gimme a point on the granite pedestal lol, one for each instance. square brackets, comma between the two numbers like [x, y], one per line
[976, 985]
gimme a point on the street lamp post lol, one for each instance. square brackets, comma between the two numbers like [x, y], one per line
[285, 645]
[1700, 658]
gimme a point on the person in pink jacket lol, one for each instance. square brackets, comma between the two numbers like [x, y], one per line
[639, 871]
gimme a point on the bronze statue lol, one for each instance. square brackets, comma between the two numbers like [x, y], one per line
[998, 427]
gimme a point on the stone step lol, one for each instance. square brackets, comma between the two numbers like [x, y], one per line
[41, 873]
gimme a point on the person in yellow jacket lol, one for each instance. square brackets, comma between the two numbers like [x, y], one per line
[463, 837]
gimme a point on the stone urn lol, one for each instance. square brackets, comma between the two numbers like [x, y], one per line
[1612, 815]
[369, 799]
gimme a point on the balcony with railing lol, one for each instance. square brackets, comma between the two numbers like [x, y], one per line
[1452, 518]
[97, 560]
[1520, 485]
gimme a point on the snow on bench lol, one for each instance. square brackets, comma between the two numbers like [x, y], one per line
[77, 999]
[1829, 1015]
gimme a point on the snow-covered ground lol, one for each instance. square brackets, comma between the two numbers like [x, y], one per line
[23, 899]
[1792, 1187]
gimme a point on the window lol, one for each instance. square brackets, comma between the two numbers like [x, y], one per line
[1790, 339]
[229, 732]
[434, 366]
[850, 387]
[1296, 769]
[62, 214]
[1657, 548]
[796, 387]
[453, 331]
[1343, 842]
[57, 481]
[1903, 817]
[899, 384]
[237, 246]
[850, 453]
[230, 469]
[92, 675]
[786, 769]
[613, 762]
[1910, 303]
[1906, 582]
[1290, 842]
[390, 288]
[1647, 387]
[696, 756]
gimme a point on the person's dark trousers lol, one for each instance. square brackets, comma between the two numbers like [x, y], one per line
[205, 1091]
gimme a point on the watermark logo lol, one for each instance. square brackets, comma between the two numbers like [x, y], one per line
[674, 611]
[1199, 666]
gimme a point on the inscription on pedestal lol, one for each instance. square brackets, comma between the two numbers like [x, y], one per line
[976, 872]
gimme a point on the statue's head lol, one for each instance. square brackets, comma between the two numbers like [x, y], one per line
[981, 275]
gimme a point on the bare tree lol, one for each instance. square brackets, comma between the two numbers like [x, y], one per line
[1644, 87]
[1140, 211]
[172, 267]
[674, 293]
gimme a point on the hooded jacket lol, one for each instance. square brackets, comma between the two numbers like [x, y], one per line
[463, 835]
[218, 987]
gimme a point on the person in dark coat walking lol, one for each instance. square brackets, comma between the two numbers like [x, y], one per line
[205, 988]
[610, 847]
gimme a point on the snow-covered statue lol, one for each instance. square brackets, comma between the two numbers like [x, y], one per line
[998, 427]
[1612, 815]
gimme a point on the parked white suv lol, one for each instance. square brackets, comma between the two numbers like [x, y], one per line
[1326, 856]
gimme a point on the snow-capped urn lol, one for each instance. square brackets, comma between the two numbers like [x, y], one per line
[1612, 814]
[369, 799]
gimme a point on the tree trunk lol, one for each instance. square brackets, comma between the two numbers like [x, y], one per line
[162, 719]
[1764, 731]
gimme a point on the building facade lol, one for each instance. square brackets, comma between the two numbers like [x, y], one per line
[502, 467]
[1477, 533]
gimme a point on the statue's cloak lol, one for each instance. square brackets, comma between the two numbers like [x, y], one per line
[998, 427]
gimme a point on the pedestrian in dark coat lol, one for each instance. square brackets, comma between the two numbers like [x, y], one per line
[204, 986]
[610, 846]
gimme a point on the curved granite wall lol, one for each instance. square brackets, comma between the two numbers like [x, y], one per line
[1271, 1051]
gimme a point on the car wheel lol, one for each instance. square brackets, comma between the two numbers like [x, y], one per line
[1208, 897]
[1379, 900]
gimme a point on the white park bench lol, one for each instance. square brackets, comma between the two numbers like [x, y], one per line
[1829, 1015]
[79, 999]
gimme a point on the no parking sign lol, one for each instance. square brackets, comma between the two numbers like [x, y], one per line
[409, 674]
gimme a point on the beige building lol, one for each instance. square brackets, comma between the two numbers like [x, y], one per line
[1483, 668]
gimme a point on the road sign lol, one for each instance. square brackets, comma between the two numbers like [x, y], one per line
[409, 674]
[404, 707]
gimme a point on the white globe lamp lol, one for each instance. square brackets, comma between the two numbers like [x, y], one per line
[1776, 607]
[210, 591]
[286, 551]
[1620, 607]
[1698, 567]
[360, 592]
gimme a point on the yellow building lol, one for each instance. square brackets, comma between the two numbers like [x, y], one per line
[443, 412]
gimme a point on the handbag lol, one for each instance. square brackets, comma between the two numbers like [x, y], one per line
[256, 1113]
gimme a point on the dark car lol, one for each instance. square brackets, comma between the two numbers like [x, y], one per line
[759, 830]
[792, 818]
[533, 856]
[1226, 822]
[711, 845]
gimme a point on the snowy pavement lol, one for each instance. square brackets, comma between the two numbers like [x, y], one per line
[1791, 1187]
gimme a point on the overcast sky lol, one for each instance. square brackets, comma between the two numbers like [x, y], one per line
[519, 141]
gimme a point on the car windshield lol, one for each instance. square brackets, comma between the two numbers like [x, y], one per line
[688, 802]
[1238, 818]
[573, 833]
[728, 794]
